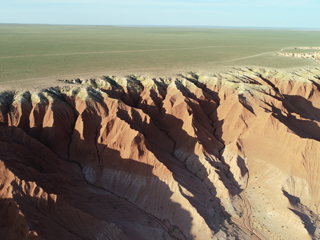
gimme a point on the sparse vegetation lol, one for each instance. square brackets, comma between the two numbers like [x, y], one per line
[56, 51]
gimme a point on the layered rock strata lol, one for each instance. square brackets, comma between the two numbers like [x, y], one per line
[313, 55]
[229, 156]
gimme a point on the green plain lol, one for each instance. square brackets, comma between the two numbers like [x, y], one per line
[37, 51]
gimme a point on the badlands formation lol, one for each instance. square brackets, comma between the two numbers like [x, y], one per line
[229, 156]
[312, 55]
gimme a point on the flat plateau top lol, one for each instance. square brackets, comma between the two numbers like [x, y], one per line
[39, 55]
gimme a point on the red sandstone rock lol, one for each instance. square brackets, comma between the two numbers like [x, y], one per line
[224, 157]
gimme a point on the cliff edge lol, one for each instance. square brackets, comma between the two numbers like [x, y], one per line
[228, 156]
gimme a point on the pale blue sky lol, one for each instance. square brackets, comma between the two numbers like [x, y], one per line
[238, 13]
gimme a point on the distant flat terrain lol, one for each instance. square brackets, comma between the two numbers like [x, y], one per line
[40, 53]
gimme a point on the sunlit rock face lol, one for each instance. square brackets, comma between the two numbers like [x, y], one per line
[229, 156]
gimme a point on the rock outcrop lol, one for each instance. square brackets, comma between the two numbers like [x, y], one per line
[229, 156]
[313, 55]
[307, 48]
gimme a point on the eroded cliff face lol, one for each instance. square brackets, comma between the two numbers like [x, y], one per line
[230, 156]
[310, 55]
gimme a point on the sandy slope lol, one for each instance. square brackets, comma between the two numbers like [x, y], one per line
[230, 156]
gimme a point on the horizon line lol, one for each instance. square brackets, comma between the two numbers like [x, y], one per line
[169, 26]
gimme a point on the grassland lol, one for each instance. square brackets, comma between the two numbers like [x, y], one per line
[48, 52]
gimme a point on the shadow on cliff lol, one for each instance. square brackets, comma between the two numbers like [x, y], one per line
[303, 107]
[222, 167]
[306, 221]
[13, 225]
[84, 150]
[303, 128]
[195, 180]
[214, 101]
[140, 222]
[295, 202]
